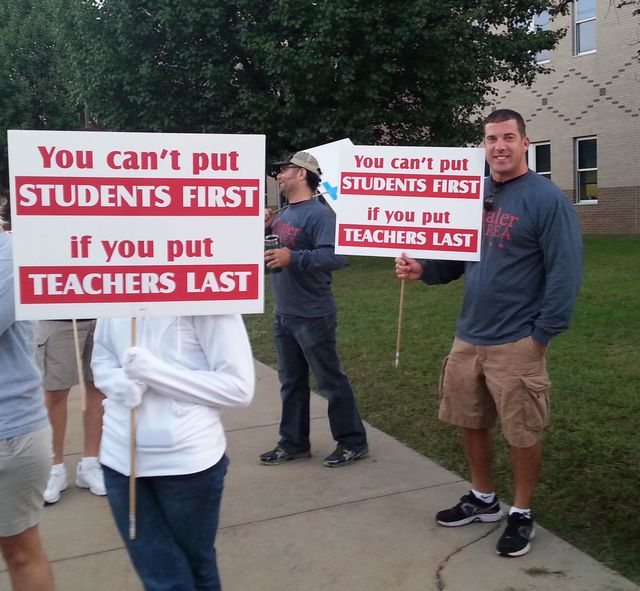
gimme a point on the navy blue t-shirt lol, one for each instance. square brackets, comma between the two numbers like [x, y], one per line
[530, 269]
[304, 288]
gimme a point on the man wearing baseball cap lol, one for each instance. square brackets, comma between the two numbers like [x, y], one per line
[305, 318]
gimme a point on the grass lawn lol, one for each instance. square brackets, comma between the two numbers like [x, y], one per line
[591, 468]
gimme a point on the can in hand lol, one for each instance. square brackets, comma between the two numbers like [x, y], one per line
[270, 242]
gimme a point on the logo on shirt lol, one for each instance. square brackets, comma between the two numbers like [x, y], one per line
[497, 227]
[287, 233]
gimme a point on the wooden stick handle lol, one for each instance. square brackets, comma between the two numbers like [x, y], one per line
[132, 479]
[83, 388]
[132, 449]
[400, 314]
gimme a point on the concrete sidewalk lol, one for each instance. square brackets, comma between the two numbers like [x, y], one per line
[304, 527]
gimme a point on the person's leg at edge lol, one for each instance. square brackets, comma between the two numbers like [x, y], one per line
[27, 563]
[155, 555]
[92, 415]
[56, 403]
[317, 338]
[525, 464]
[92, 419]
[293, 373]
[478, 447]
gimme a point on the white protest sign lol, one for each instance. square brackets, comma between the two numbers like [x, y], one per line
[125, 224]
[426, 202]
[329, 159]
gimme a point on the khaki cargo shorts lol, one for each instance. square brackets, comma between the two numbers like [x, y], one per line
[57, 354]
[25, 462]
[479, 383]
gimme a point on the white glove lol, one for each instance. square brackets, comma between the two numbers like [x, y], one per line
[139, 364]
[128, 393]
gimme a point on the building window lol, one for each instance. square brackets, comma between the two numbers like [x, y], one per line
[540, 158]
[586, 169]
[541, 22]
[585, 26]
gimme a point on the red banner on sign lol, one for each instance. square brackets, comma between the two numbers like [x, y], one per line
[108, 196]
[410, 185]
[455, 240]
[152, 283]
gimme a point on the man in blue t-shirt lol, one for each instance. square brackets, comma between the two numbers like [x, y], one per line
[304, 329]
[516, 299]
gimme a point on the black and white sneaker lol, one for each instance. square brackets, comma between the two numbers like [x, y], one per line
[515, 539]
[343, 457]
[278, 456]
[469, 509]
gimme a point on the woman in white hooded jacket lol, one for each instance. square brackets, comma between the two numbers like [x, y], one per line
[178, 377]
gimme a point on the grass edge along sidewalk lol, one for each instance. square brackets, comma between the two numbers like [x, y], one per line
[591, 465]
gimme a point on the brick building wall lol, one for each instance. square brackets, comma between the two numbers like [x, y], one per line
[617, 212]
[596, 94]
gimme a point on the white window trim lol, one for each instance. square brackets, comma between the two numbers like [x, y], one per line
[576, 22]
[533, 27]
[532, 155]
[577, 200]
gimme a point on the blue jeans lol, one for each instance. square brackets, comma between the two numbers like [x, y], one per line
[305, 344]
[176, 523]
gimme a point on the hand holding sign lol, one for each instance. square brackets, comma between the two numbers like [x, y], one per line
[408, 268]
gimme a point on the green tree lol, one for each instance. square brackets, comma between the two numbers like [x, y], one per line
[34, 95]
[636, 11]
[303, 72]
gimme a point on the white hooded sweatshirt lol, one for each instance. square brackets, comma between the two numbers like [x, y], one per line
[195, 365]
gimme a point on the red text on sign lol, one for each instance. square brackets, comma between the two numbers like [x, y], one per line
[148, 283]
[410, 185]
[454, 240]
[134, 196]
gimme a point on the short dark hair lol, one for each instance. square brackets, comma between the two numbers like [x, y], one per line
[502, 115]
[5, 209]
[313, 180]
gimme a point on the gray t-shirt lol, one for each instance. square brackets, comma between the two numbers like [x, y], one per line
[22, 407]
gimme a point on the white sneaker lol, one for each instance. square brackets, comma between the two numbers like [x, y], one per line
[56, 484]
[89, 475]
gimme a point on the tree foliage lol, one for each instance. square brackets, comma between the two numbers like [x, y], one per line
[636, 11]
[33, 95]
[303, 72]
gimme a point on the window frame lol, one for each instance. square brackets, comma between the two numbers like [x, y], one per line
[576, 30]
[533, 26]
[533, 159]
[579, 170]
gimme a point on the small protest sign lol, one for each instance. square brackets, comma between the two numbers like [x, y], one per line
[426, 202]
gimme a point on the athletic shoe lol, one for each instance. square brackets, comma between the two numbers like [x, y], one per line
[89, 475]
[279, 456]
[343, 457]
[56, 484]
[515, 539]
[469, 509]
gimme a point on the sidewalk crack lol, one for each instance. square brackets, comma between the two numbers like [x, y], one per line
[440, 583]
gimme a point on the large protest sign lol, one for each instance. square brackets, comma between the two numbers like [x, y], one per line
[125, 224]
[426, 202]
